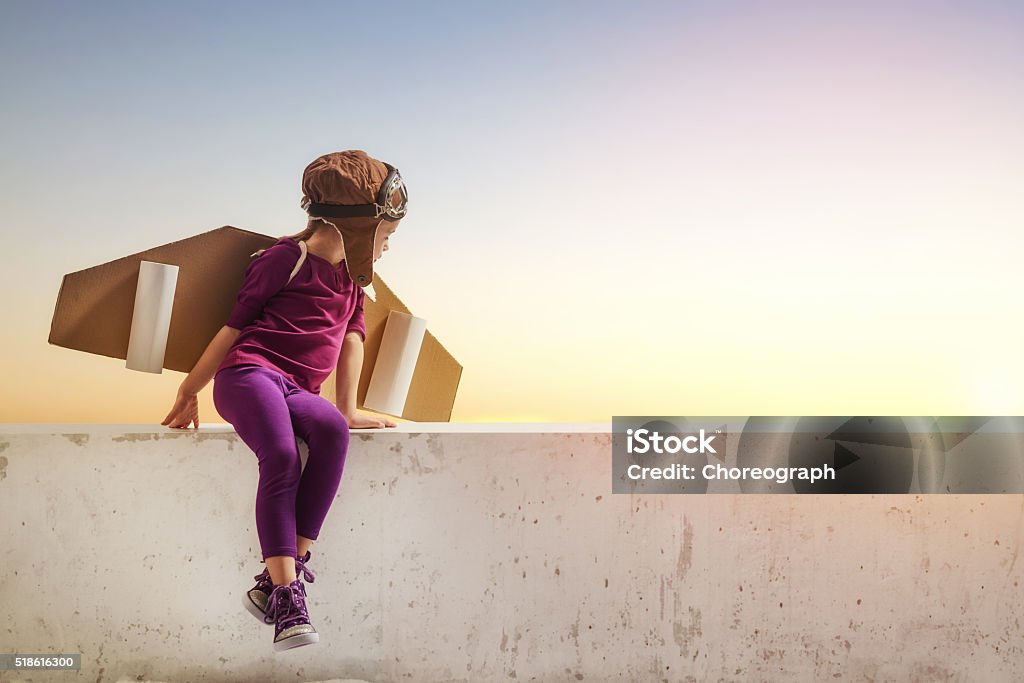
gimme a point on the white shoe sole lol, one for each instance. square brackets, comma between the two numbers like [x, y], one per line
[297, 641]
[253, 608]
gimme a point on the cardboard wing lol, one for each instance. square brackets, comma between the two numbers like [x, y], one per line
[94, 310]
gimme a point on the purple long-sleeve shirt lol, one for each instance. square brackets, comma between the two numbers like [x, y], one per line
[295, 328]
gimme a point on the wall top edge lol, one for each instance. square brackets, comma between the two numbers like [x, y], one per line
[403, 427]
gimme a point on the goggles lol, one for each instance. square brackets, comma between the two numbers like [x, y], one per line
[391, 204]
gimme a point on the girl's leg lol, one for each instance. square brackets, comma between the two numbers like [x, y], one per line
[326, 432]
[252, 399]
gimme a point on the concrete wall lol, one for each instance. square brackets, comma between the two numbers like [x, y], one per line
[491, 553]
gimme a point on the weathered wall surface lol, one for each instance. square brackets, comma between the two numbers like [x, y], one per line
[491, 553]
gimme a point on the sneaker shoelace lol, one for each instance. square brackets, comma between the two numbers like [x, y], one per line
[287, 607]
[266, 584]
[302, 571]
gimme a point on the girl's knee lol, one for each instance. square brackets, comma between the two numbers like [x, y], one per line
[279, 459]
[329, 441]
[333, 429]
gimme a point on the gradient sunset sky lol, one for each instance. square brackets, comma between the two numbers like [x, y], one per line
[629, 208]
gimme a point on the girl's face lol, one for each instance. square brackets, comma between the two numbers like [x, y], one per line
[380, 238]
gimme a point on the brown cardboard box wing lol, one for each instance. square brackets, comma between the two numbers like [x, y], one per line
[94, 310]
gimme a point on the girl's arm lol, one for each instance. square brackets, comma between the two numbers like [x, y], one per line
[186, 405]
[350, 364]
[207, 364]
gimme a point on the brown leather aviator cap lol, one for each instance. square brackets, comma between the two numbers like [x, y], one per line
[348, 178]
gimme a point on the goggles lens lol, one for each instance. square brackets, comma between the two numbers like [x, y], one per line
[396, 198]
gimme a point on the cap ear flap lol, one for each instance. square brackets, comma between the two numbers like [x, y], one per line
[358, 240]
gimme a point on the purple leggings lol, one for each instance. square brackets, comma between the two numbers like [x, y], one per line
[268, 411]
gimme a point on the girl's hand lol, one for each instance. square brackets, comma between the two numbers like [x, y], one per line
[363, 421]
[185, 411]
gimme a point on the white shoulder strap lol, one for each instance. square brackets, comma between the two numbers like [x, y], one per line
[298, 264]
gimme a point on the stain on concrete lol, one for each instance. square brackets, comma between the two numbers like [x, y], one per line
[77, 439]
[4, 445]
[513, 652]
[929, 671]
[685, 634]
[435, 446]
[99, 660]
[133, 438]
[415, 466]
[228, 438]
[3, 467]
[661, 597]
[685, 550]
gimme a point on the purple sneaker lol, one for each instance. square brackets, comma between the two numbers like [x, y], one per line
[256, 598]
[286, 609]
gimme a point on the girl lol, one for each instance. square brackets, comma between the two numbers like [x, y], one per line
[286, 334]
